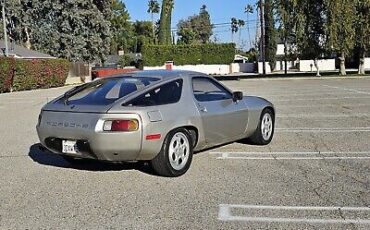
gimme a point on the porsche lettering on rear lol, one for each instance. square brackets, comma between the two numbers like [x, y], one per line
[67, 125]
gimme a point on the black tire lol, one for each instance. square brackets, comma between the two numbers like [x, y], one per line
[161, 163]
[257, 137]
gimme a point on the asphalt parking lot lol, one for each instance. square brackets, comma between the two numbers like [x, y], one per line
[314, 175]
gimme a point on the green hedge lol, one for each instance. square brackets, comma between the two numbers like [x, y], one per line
[7, 67]
[32, 74]
[157, 55]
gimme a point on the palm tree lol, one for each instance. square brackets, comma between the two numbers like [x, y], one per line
[249, 10]
[164, 34]
[153, 8]
[241, 23]
[234, 28]
[236, 24]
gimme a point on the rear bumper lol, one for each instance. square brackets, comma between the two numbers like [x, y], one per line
[107, 146]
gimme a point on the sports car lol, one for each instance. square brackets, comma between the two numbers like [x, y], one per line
[161, 117]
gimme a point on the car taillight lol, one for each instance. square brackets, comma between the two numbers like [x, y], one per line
[121, 125]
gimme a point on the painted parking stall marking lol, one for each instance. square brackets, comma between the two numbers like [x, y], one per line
[347, 89]
[292, 155]
[294, 214]
[322, 130]
[320, 99]
[305, 115]
[324, 105]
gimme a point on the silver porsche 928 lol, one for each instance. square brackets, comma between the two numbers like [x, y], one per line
[156, 116]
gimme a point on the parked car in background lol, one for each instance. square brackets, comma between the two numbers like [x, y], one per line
[156, 116]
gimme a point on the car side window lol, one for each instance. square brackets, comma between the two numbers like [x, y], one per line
[206, 89]
[165, 94]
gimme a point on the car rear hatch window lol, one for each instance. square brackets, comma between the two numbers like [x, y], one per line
[106, 91]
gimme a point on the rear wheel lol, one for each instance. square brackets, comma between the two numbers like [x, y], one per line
[265, 130]
[176, 154]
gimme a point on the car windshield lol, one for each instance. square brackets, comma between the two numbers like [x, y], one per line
[105, 91]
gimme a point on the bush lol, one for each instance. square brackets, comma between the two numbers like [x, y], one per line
[126, 60]
[34, 74]
[157, 55]
[7, 67]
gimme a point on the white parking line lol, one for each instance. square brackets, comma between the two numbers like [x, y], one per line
[305, 115]
[324, 105]
[347, 89]
[309, 93]
[225, 214]
[322, 130]
[292, 155]
[318, 99]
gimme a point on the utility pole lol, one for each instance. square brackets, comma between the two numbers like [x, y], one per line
[262, 13]
[5, 33]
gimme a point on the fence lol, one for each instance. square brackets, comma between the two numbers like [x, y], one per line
[324, 65]
[78, 72]
[367, 63]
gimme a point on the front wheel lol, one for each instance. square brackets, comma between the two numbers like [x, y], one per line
[265, 130]
[176, 154]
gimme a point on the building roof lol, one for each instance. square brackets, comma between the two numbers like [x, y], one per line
[18, 51]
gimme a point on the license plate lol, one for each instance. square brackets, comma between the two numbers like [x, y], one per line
[69, 147]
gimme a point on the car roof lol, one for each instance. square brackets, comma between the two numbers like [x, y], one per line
[162, 74]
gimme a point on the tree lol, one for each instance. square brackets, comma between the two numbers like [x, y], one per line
[302, 22]
[186, 33]
[362, 28]
[241, 23]
[195, 29]
[19, 20]
[203, 26]
[153, 8]
[80, 31]
[287, 18]
[164, 35]
[270, 34]
[122, 30]
[142, 34]
[249, 10]
[311, 31]
[77, 30]
[234, 27]
[340, 29]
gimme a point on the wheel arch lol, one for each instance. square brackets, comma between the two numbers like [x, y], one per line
[270, 108]
[194, 133]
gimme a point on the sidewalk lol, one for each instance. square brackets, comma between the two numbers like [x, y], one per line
[351, 73]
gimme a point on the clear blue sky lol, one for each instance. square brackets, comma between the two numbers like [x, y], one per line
[221, 11]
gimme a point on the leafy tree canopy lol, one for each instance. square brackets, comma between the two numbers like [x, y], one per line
[78, 30]
[195, 29]
[122, 30]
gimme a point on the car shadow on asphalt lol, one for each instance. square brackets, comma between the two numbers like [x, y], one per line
[45, 157]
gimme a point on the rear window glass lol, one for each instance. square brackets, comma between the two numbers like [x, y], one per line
[106, 91]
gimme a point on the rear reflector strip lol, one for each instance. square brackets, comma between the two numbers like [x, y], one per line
[153, 137]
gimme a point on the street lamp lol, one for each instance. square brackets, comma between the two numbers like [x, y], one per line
[4, 28]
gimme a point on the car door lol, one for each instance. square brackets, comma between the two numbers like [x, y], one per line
[223, 119]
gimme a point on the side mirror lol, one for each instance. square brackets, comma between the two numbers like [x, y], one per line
[237, 96]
